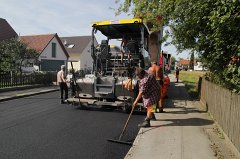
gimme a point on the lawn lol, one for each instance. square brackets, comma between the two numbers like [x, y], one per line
[190, 79]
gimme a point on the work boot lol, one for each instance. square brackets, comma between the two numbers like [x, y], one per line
[145, 124]
[153, 117]
[160, 110]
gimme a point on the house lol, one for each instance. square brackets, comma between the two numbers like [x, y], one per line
[6, 31]
[52, 53]
[184, 64]
[79, 50]
[199, 67]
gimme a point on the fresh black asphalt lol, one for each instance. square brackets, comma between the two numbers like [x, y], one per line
[39, 127]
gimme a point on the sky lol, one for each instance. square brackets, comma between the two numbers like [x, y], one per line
[66, 18]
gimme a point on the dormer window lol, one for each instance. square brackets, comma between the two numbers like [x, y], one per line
[70, 46]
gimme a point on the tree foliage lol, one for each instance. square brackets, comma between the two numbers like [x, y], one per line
[13, 53]
[173, 61]
[209, 27]
[148, 10]
[191, 63]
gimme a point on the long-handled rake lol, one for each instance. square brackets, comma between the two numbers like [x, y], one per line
[119, 140]
[75, 84]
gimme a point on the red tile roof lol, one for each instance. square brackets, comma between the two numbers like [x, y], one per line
[40, 42]
[37, 42]
[185, 62]
[6, 31]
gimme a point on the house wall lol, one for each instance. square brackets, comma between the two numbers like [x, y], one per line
[76, 63]
[83, 60]
[86, 61]
[198, 66]
[47, 52]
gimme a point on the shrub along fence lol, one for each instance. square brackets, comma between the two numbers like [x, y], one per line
[13, 80]
[224, 105]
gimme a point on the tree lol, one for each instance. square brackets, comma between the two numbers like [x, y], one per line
[13, 53]
[211, 28]
[173, 61]
[191, 63]
[149, 10]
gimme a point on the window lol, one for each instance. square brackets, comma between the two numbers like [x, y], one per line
[54, 49]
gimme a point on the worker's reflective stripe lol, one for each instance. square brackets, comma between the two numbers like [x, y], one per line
[151, 108]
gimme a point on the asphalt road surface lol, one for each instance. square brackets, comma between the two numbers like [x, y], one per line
[39, 127]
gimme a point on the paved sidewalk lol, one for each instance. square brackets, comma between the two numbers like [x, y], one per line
[14, 94]
[179, 133]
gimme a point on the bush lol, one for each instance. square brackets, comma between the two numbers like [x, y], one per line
[228, 78]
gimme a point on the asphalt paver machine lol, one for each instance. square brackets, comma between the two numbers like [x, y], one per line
[112, 68]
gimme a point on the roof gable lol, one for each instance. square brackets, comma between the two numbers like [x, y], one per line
[40, 42]
[6, 31]
[37, 42]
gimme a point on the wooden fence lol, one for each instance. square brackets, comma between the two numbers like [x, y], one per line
[224, 105]
[11, 80]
